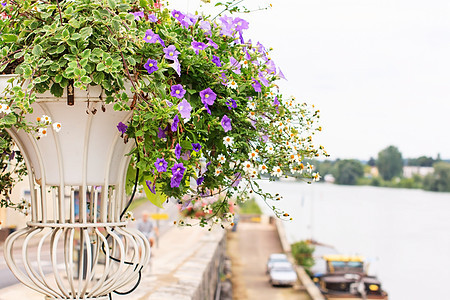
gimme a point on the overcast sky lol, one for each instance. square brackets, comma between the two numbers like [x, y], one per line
[378, 70]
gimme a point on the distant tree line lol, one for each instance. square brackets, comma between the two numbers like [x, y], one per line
[389, 164]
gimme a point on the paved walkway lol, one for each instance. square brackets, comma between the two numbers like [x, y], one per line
[249, 248]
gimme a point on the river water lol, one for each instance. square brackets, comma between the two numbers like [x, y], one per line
[404, 233]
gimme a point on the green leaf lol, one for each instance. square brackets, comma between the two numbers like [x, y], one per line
[41, 79]
[74, 23]
[37, 50]
[157, 199]
[60, 49]
[86, 79]
[9, 38]
[112, 4]
[86, 32]
[86, 53]
[131, 61]
[101, 67]
[75, 36]
[9, 119]
[58, 78]
[98, 77]
[66, 34]
[56, 90]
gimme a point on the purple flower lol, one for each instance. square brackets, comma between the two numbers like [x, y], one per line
[174, 126]
[231, 103]
[271, 68]
[256, 85]
[151, 186]
[216, 61]
[170, 104]
[198, 46]
[226, 123]
[122, 127]
[260, 48]
[185, 109]
[151, 65]
[235, 65]
[177, 91]
[275, 101]
[237, 179]
[3, 4]
[12, 155]
[151, 37]
[224, 79]
[196, 147]
[280, 74]
[171, 52]
[161, 165]
[200, 180]
[208, 96]
[176, 66]
[186, 155]
[263, 79]
[206, 26]
[247, 55]
[211, 43]
[175, 180]
[207, 109]
[152, 18]
[138, 15]
[178, 15]
[240, 24]
[226, 27]
[178, 169]
[178, 151]
[162, 133]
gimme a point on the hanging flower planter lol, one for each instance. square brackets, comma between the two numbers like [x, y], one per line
[181, 104]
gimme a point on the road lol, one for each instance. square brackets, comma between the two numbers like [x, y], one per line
[249, 248]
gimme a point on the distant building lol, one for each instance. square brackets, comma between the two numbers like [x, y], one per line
[409, 171]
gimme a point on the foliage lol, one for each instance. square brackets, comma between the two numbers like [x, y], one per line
[208, 117]
[303, 254]
[422, 161]
[439, 181]
[390, 163]
[348, 171]
[250, 207]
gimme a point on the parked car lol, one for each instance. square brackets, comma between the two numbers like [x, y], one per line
[282, 273]
[276, 258]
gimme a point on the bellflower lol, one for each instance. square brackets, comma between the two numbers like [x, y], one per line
[178, 15]
[280, 74]
[207, 109]
[185, 108]
[226, 26]
[226, 123]
[186, 155]
[151, 65]
[271, 68]
[176, 66]
[206, 26]
[171, 52]
[177, 91]
[122, 127]
[240, 24]
[161, 165]
[174, 126]
[197, 46]
[150, 186]
[162, 132]
[200, 180]
[208, 96]
[216, 61]
[138, 15]
[235, 65]
[178, 151]
[151, 37]
[263, 79]
[152, 18]
[231, 103]
[276, 102]
[212, 43]
[256, 85]
[196, 147]
[178, 169]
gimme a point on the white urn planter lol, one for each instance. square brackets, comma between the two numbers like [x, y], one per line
[77, 184]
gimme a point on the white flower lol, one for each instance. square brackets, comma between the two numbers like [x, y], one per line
[229, 217]
[263, 168]
[270, 149]
[42, 132]
[207, 209]
[218, 171]
[247, 166]
[5, 109]
[129, 216]
[252, 115]
[276, 171]
[57, 127]
[244, 63]
[45, 120]
[316, 176]
[228, 141]
[251, 104]
[2, 107]
[221, 158]
[293, 157]
[253, 173]
[253, 155]
[232, 84]
[216, 220]
[309, 167]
